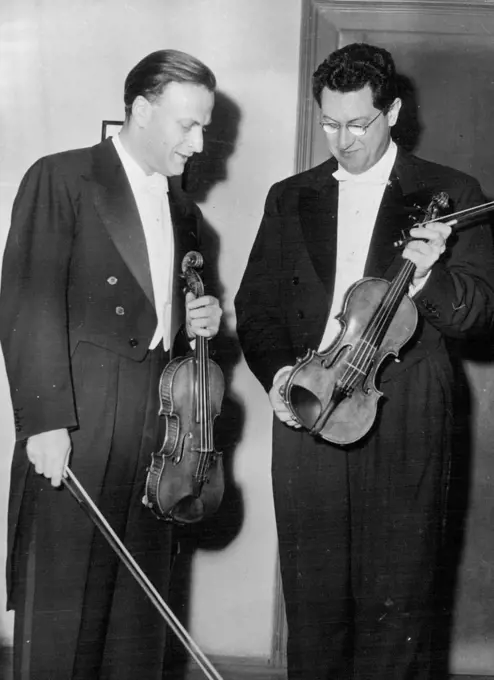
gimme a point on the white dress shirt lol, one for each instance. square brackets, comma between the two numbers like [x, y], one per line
[359, 199]
[151, 196]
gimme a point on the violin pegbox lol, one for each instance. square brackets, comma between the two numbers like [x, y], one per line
[191, 262]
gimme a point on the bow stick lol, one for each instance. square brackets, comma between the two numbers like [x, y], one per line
[460, 215]
[88, 505]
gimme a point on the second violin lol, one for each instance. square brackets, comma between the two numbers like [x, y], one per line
[185, 481]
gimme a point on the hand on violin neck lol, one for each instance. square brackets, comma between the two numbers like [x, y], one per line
[426, 247]
[276, 397]
[202, 316]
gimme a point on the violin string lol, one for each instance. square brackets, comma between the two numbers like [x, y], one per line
[367, 347]
[205, 408]
[86, 502]
[387, 310]
[202, 380]
[206, 400]
[206, 449]
[389, 305]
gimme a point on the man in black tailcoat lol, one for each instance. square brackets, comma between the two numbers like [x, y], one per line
[91, 307]
[359, 526]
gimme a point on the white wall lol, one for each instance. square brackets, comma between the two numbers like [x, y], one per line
[62, 67]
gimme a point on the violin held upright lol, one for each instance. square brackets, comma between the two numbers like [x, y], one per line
[185, 481]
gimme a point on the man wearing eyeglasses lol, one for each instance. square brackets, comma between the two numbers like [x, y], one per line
[359, 526]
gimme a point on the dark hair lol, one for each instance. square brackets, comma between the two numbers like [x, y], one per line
[353, 67]
[153, 73]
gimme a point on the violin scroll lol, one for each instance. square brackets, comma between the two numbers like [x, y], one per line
[438, 204]
[191, 262]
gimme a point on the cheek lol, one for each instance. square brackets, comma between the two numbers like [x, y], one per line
[332, 142]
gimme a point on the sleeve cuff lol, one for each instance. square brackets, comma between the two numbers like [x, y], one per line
[413, 290]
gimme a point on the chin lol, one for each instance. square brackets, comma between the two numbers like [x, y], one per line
[172, 171]
[356, 167]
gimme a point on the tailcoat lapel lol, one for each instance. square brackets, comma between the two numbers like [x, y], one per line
[318, 210]
[117, 208]
[390, 221]
[404, 190]
[185, 228]
[185, 221]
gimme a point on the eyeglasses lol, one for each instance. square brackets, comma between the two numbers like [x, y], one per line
[357, 130]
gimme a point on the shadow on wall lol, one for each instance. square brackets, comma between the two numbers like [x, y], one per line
[406, 133]
[203, 173]
[6, 672]
[209, 168]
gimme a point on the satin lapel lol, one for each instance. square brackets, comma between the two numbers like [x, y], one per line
[185, 222]
[391, 219]
[318, 210]
[403, 191]
[185, 231]
[117, 208]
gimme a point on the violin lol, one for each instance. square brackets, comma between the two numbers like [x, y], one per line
[185, 481]
[333, 393]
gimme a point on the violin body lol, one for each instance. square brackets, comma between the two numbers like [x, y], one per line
[185, 484]
[313, 391]
[333, 394]
[185, 481]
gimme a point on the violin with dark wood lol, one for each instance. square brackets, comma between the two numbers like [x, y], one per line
[333, 393]
[185, 481]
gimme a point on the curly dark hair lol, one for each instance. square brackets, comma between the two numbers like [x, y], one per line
[353, 67]
[150, 76]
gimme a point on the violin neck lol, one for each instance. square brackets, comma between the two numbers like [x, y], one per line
[385, 313]
[400, 284]
[202, 350]
[204, 416]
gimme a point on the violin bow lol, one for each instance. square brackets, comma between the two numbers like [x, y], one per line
[88, 505]
[460, 216]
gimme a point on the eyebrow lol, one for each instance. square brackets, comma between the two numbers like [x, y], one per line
[193, 121]
[350, 122]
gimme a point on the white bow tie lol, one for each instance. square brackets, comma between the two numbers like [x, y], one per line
[343, 175]
[156, 184]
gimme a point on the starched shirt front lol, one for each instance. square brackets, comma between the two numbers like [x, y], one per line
[151, 196]
[359, 199]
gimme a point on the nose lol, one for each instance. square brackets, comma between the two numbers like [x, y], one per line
[346, 138]
[196, 139]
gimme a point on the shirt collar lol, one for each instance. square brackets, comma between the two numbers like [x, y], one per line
[137, 177]
[378, 174]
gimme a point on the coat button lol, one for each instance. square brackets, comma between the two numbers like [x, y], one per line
[133, 342]
[295, 280]
[120, 311]
[112, 280]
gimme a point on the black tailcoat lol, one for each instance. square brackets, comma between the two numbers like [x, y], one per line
[359, 526]
[77, 316]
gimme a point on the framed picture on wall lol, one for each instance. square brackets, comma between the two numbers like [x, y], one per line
[110, 128]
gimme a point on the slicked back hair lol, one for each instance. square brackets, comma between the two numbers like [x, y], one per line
[153, 73]
[351, 68]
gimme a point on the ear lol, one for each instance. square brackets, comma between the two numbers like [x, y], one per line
[394, 111]
[141, 111]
